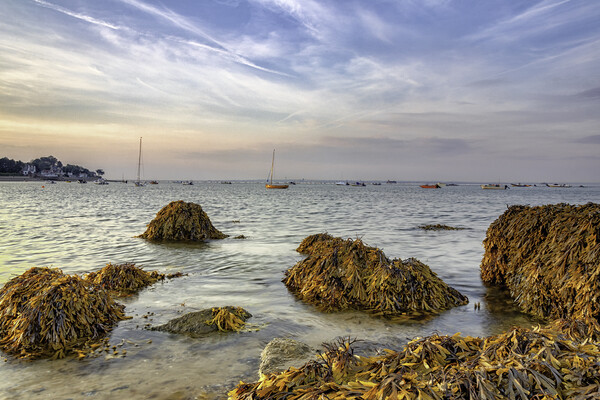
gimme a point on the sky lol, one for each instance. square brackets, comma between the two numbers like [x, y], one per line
[432, 90]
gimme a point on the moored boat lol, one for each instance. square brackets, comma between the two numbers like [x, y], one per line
[496, 186]
[138, 182]
[436, 186]
[271, 185]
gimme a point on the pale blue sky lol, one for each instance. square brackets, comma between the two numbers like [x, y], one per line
[429, 90]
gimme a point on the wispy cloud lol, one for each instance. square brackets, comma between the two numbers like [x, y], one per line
[309, 13]
[80, 16]
[592, 94]
[592, 139]
[331, 78]
[174, 18]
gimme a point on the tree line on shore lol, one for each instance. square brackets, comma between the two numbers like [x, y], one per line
[16, 167]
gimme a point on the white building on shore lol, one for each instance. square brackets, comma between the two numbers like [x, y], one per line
[28, 169]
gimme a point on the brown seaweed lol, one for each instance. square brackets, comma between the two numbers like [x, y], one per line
[181, 221]
[548, 257]
[346, 274]
[45, 313]
[537, 363]
[228, 319]
[126, 279]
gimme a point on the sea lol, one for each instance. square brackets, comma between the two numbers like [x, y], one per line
[79, 228]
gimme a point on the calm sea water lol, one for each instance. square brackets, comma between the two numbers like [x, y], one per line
[80, 228]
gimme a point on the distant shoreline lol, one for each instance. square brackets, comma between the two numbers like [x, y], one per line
[19, 178]
[22, 178]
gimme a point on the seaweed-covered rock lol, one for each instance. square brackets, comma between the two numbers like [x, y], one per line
[45, 313]
[439, 227]
[538, 363]
[126, 279]
[548, 257]
[199, 323]
[181, 221]
[280, 354]
[346, 274]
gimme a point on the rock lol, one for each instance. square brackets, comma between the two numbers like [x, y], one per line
[280, 354]
[199, 323]
[548, 257]
[126, 279]
[343, 274]
[46, 313]
[182, 222]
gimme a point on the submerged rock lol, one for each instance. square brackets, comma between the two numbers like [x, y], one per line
[548, 257]
[280, 354]
[343, 274]
[181, 221]
[440, 227]
[199, 323]
[45, 313]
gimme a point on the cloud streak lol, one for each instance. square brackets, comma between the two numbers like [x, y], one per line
[79, 16]
[353, 82]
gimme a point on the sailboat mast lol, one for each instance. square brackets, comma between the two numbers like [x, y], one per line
[139, 161]
[272, 166]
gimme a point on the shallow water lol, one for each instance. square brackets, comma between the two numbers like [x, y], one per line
[80, 228]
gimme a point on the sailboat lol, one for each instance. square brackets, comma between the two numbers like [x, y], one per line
[270, 184]
[138, 182]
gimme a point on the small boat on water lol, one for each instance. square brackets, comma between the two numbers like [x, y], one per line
[558, 185]
[271, 185]
[496, 186]
[342, 183]
[436, 186]
[390, 182]
[359, 184]
[187, 183]
[519, 185]
[138, 182]
[154, 182]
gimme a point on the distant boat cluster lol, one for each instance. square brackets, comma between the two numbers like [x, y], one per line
[274, 185]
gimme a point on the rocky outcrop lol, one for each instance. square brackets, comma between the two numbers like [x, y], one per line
[199, 323]
[548, 257]
[181, 221]
[343, 274]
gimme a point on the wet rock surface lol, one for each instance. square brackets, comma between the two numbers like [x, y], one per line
[199, 323]
[280, 354]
